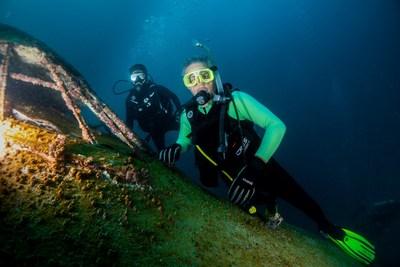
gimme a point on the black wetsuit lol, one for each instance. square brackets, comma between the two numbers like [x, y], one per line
[152, 107]
[272, 183]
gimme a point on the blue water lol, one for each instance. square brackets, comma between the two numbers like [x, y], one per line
[330, 71]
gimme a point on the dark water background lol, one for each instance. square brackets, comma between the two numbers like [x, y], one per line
[330, 71]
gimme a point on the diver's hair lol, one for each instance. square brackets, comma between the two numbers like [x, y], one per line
[197, 59]
[138, 67]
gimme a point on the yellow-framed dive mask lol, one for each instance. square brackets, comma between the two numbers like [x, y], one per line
[193, 78]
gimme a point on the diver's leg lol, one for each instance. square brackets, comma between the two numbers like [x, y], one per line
[279, 182]
[267, 199]
[272, 217]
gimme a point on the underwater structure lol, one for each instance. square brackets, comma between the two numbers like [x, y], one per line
[70, 196]
[38, 87]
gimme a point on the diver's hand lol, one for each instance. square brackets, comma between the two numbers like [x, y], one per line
[243, 187]
[170, 155]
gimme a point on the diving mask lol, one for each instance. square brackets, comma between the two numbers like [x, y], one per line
[138, 77]
[198, 76]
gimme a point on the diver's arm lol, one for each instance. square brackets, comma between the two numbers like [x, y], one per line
[175, 100]
[250, 109]
[130, 117]
[171, 96]
[184, 131]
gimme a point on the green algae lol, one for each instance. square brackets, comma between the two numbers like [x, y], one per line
[97, 220]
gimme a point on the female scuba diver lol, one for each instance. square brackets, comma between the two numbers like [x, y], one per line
[219, 124]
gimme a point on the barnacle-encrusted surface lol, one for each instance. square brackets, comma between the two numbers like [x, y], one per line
[25, 137]
[99, 206]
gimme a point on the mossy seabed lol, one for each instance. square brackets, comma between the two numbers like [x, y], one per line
[99, 206]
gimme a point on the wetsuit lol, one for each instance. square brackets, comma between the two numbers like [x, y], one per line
[152, 107]
[199, 127]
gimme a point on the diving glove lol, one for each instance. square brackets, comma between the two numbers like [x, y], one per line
[353, 244]
[243, 187]
[170, 154]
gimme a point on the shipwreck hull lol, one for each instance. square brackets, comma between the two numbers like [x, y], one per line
[40, 88]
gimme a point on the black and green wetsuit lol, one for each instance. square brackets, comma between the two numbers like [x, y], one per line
[199, 126]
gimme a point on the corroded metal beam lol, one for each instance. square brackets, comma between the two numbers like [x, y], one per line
[82, 93]
[86, 134]
[32, 80]
[3, 78]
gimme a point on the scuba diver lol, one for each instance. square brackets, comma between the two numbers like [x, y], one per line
[219, 122]
[152, 105]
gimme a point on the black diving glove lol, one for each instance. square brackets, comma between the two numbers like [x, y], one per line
[170, 155]
[243, 187]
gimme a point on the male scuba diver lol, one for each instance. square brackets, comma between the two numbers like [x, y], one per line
[219, 124]
[152, 105]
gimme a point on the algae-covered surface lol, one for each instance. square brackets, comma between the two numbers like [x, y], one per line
[102, 207]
